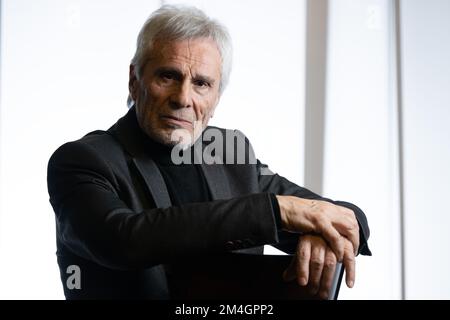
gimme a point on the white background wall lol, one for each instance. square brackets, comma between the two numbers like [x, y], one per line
[360, 135]
[426, 113]
[265, 98]
[64, 69]
[64, 72]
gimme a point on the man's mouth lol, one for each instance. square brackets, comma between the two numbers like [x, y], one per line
[177, 121]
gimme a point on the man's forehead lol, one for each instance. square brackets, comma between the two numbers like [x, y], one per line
[199, 50]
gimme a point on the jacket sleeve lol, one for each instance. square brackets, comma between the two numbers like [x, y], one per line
[95, 223]
[273, 183]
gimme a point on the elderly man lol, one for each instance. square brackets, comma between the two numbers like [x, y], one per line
[130, 216]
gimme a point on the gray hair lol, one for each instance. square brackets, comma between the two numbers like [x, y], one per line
[175, 22]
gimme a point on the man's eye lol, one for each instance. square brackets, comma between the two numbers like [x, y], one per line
[201, 83]
[167, 76]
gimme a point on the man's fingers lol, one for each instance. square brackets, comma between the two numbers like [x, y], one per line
[354, 239]
[303, 258]
[329, 269]
[332, 222]
[348, 226]
[316, 267]
[335, 241]
[349, 264]
[315, 262]
[353, 236]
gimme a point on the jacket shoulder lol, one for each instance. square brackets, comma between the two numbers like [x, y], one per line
[100, 143]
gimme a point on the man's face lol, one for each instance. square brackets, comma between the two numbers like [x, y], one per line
[178, 89]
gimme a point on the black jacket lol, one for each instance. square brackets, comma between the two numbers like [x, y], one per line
[115, 221]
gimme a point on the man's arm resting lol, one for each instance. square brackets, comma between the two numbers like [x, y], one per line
[94, 222]
[273, 183]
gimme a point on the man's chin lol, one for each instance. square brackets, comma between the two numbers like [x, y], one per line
[182, 138]
[179, 137]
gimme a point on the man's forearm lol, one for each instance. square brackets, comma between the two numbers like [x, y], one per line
[125, 239]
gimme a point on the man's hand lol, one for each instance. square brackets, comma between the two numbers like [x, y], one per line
[334, 223]
[314, 265]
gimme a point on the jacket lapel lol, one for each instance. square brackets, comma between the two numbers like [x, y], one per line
[215, 175]
[154, 181]
[127, 131]
[217, 181]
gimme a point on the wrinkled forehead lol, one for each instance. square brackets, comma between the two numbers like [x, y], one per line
[198, 52]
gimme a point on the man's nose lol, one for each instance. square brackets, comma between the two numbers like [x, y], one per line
[182, 96]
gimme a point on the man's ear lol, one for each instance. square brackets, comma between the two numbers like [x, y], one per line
[133, 82]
